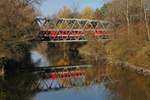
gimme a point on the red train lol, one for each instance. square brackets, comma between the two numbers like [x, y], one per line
[72, 33]
[55, 75]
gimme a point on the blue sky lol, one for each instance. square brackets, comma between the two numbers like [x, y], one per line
[50, 7]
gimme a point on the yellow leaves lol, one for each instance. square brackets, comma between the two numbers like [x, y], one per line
[131, 47]
[65, 12]
[16, 22]
[87, 13]
[62, 62]
[141, 59]
[62, 26]
[25, 17]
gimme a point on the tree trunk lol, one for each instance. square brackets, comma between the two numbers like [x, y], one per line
[127, 16]
[146, 24]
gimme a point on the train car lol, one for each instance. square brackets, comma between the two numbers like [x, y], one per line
[53, 34]
[55, 75]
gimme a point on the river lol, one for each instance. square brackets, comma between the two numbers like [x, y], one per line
[94, 92]
[99, 83]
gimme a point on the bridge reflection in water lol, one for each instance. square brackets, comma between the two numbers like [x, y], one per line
[40, 84]
[67, 77]
[24, 85]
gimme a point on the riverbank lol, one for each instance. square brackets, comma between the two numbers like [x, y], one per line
[134, 68]
[102, 59]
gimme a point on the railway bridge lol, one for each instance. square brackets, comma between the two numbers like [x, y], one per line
[67, 30]
[73, 30]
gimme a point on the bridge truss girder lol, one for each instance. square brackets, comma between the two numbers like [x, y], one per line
[101, 29]
[72, 23]
[45, 84]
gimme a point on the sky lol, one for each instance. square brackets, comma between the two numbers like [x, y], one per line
[51, 7]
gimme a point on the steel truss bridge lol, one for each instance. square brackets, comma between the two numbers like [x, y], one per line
[73, 30]
[61, 77]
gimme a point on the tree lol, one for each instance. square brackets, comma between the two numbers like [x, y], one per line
[116, 12]
[65, 12]
[75, 11]
[127, 15]
[17, 22]
[145, 18]
[98, 14]
[102, 13]
[87, 13]
[131, 43]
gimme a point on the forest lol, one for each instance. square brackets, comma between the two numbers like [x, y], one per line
[128, 48]
[130, 40]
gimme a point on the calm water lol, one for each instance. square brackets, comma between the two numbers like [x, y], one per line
[95, 92]
[117, 84]
[135, 87]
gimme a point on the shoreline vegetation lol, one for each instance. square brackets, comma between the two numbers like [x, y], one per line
[129, 43]
[129, 47]
[125, 58]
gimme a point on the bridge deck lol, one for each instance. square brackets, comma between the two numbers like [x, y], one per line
[48, 69]
[73, 40]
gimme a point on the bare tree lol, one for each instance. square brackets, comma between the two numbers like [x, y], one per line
[16, 22]
[146, 21]
[127, 15]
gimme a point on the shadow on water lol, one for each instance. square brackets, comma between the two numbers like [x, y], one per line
[18, 87]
